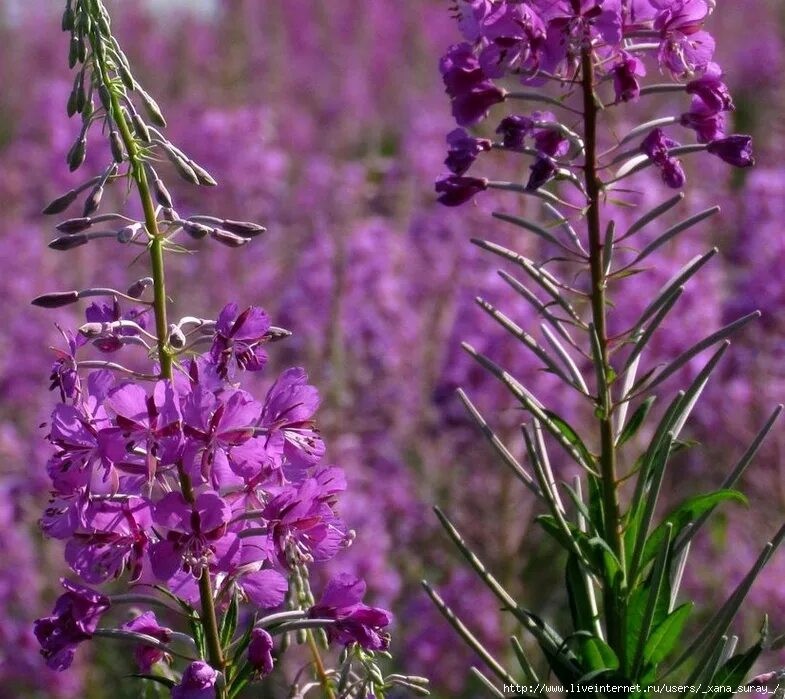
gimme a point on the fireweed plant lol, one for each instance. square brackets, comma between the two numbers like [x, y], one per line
[169, 480]
[624, 561]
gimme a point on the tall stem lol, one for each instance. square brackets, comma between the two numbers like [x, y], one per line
[610, 495]
[156, 249]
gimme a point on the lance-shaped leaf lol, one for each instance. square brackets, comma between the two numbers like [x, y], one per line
[636, 421]
[735, 670]
[532, 228]
[641, 162]
[733, 477]
[550, 641]
[470, 639]
[544, 279]
[607, 248]
[498, 445]
[671, 368]
[564, 224]
[519, 334]
[673, 231]
[672, 285]
[539, 306]
[646, 127]
[556, 426]
[567, 360]
[645, 335]
[667, 634]
[529, 674]
[652, 215]
[719, 623]
[489, 686]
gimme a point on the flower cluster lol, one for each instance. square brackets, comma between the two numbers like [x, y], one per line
[538, 43]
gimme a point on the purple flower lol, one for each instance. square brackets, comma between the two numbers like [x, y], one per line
[113, 537]
[198, 682]
[196, 537]
[463, 149]
[735, 150]
[454, 190]
[147, 656]
[355, 622]
[542, 170]
[287, 416]
[656, 146]
[75, 619]
[515, 34]
[625, 77]
[710, 88]
[708, 124]
[684, 47]
[514, 129]
[260, 652]
[238, 340]
[112, 340]
[548, 140]
[472, 93]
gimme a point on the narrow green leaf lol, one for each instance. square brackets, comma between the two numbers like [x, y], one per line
[673, 231]
[636, 421]
[598, 656]
[665, 637]
[733, 673]
[655, 213]
[229, 621]
[531, 227]
[489, 686]
[644, 336]
[165, 681]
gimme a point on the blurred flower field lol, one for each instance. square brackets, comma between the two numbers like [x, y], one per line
[326, 122]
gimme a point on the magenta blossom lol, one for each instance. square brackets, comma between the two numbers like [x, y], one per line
[260, 652]
[625, 77]
[656, 145]
[514, 129]
[684, 47]
[198, 682]
[470, 90]
[543, 170]
[75, 619]
[463, 150]
[354, 621]
[708, 124]
[238, 340]
[147, 656]
[454, 190]
[735, 150]
[712, 90]
[112, 340]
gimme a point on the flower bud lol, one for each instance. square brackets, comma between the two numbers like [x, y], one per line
[243, 228]
[204, 177]
[56, 299]
[116, 144]
[71, 104]
[91, 330]
[229, 239]
[183, 168]
[106, 97]
[76, 155]
[275, 333]
[735, 150]
[176, 337]
[92, 202]
[162, 195]
[127, 233]
[196, 230]
[67, 23]
[152, 109]
[125, 76]
[75, 225]
[140, 128]
[68, 242]
[139, 286]
[61, 203]
[73, 50]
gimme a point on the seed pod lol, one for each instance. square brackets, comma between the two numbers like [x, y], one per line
[76, 155]
[152, 109]
[196, 230]
[116, 144]
[176, 337]
[204, 178]
[92, 202]
[162, 195]
[56, 299]
[245, 229]
[69, 242]
[139, 286]
[105, 97]
[226, 238]
[74, 225]
[73, 50]
[61, 203]
[140, 128]
[71, 105]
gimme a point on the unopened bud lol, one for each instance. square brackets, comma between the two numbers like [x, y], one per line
[225, 238]
[61, 203]
[183, 168]
[92, 330]
[75, 225]
[67, 23]
[126, 234]
[92, 202]
[125, 76]
[56, 299]
[139, 286]
[196, 230]
[176, 337]
[152, 109]
[71, 104]
[68, 242]
[274, 334]
[116, 144]
[105, 96]
[162, 195]
[140, 128]
[243, 228]
[76, 155]
[204, 177]
[73, 50]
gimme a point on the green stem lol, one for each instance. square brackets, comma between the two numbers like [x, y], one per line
[156, 248]
[610, 495]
